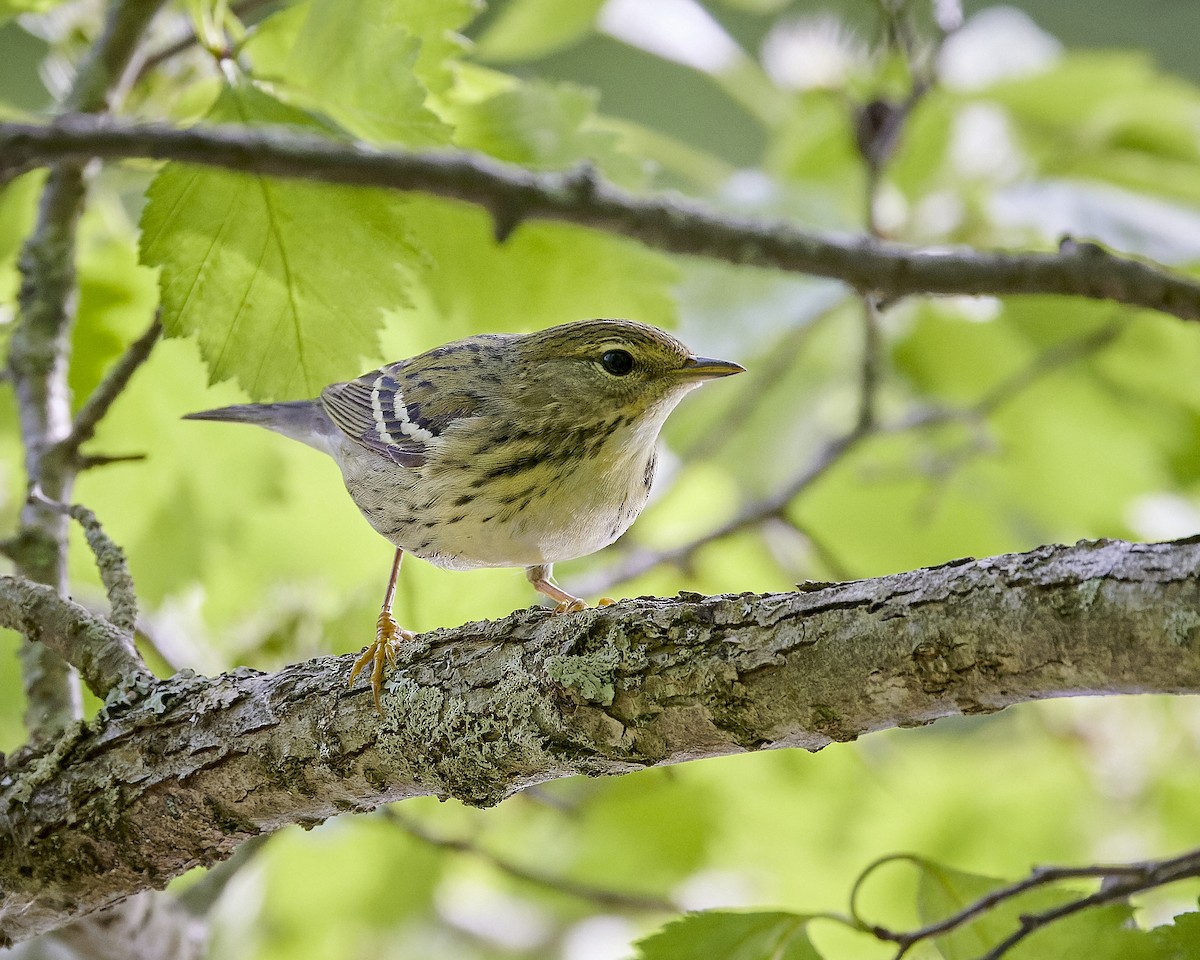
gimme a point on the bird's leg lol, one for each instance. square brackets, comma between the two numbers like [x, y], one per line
[389, 637]
[544, 583]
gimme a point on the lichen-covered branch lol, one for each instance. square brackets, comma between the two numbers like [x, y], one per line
[102, 652]
[185, 774]
[512, 195]
[110, 562]
[38, 356]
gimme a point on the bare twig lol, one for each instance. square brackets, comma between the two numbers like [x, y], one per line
[769, 372]
[675, 224]
[637, 562]
[642, 561]
[97, 405]
[610, 899]
[242, 10]
[871, 361]
[1055, 358]
[201, 896]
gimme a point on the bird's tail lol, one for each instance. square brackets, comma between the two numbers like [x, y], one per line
[303, 420]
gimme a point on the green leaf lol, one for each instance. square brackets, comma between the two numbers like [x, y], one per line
[378, 67]
[721, 935]
[1099, 933]
[529, 29]
[943, 891]
[13, 8]
[545, 273]
[358, 61]
[1110, 117]
[283, 283]
[544, 126]
[1178, 940]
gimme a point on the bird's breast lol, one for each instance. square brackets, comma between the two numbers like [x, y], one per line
[476, 503]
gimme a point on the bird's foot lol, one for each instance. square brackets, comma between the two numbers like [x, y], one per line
[392, 644]
[571, 605]
[574, 604]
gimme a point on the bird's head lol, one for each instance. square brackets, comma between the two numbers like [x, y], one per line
[610, 368]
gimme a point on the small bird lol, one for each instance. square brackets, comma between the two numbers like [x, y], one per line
[498, 450]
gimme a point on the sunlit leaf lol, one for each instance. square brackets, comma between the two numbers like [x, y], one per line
[528, 29]
[718, 935]
[284, 284]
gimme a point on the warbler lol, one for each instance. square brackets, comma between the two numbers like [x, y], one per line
[498, 450]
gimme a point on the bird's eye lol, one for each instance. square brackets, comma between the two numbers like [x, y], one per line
[617, 362]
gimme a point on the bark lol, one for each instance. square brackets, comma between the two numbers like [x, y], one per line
[180, 778]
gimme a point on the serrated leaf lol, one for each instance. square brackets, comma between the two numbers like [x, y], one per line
[376, 66]
[358, 61]
[1178, 940]
[283, 284]
[722, 935]
[529, 29]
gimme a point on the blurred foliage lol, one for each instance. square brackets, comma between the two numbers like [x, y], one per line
[1046, 419]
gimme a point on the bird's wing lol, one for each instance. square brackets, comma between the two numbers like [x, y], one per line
[395, 410]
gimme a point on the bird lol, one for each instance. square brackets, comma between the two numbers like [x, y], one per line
[497, 450]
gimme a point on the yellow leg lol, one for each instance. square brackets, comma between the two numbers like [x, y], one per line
[544, 583]
[389, 638]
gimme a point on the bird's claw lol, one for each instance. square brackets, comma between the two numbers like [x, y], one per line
[574, 605]
[383, 652]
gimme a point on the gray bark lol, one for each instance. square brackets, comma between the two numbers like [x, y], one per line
[180, 778]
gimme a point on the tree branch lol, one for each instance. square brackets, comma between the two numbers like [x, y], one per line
[600, 896]
[495, 707]
[38, 356]
[675, 224]
[110, 563]
[102, 653]
[83, 428]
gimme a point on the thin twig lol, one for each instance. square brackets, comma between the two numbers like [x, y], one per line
[153, 61]
[768, 374]
[869, 367]
[675, 224]
[110, 561]
[1128, 879]
[642, 561]
[102, 398]
[201, 896]
[598, 895]
[638, 562]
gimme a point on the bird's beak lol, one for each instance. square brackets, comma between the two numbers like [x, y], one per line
[706, 368]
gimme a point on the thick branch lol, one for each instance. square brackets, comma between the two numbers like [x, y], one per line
[183, 776]
[513, 194]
